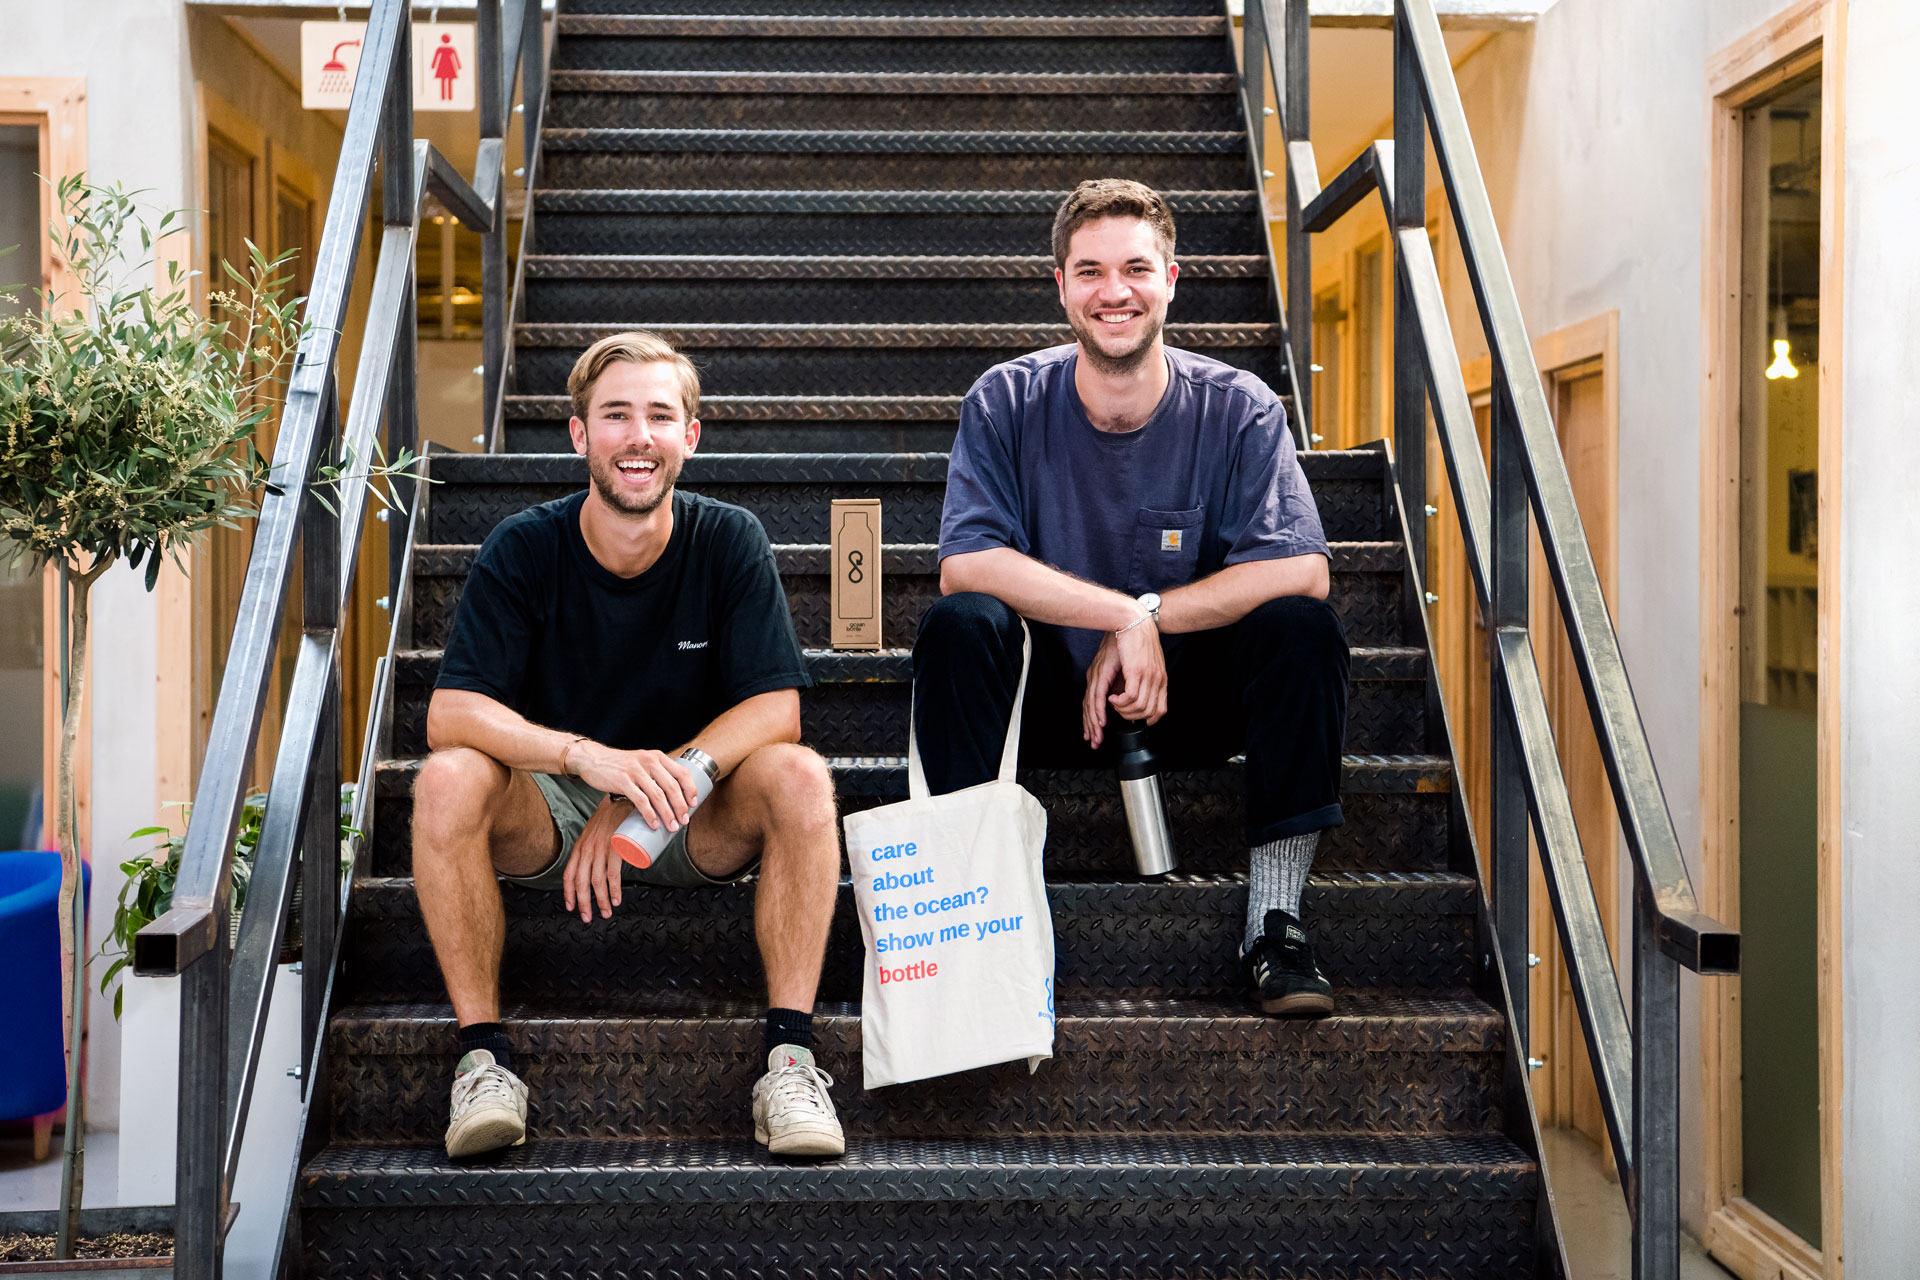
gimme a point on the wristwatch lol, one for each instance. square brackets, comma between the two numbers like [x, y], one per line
[1151, 603]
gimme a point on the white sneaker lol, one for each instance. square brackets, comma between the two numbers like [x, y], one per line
[489, 1107]
[792, 1113]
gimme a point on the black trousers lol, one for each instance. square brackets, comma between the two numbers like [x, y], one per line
[1273, 685]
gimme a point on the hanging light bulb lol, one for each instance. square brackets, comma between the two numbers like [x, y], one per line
[1782, 366]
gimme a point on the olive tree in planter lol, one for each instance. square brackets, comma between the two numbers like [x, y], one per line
[127, 424]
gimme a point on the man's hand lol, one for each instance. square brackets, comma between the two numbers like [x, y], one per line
[1131, 662]
[594, 869]
[659, 788]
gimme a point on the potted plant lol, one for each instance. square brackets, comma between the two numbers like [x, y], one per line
[148, 891]
[127, 424]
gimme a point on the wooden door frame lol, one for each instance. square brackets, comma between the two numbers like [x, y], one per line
[57, 107]
[1810, 34]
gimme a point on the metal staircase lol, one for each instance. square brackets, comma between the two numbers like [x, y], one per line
[842, 214]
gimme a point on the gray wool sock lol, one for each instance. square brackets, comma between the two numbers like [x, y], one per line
[1276, 874]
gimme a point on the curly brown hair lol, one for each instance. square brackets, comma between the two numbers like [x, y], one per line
[1099, 198]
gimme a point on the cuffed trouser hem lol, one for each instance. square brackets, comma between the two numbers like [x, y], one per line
[1327, 815]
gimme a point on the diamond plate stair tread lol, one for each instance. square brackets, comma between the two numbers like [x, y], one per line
[1400, 930]
[1052, 83]
[885, 776]
[650, 1067]
[456, 559]
[775, 25]
[1409, 892]
[1474, 1167]
[551, 468]
[1364, 1019]
[617, 266]
[901, 141]
[895, 666]
[730, 200]
[881, 336]
[894, 8]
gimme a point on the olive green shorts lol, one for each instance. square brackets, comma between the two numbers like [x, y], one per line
[572, 802]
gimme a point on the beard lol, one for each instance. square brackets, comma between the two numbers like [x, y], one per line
[606, 482]
[1104, 361]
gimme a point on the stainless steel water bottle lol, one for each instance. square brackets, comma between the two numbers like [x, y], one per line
[640, 844]
[1146, 809]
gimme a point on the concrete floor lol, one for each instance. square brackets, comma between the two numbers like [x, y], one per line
[26, 1185]
[1593, 1215]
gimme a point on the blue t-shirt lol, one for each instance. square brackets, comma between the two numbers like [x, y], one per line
[1210, 480]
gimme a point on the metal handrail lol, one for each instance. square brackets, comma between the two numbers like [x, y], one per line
[1636, 1067]
[224, 999]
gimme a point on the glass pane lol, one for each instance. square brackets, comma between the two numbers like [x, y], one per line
[1369, 337]
[21, 639]
[1779, 595]
[1329, 320]
[19, 215]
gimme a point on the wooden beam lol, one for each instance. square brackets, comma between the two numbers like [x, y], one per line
[1829, 866]
[1752, 1244]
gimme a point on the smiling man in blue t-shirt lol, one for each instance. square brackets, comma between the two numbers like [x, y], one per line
[1143, 507]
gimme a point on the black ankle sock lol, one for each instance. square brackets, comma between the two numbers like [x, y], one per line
[490, 1036]
[789, 1026]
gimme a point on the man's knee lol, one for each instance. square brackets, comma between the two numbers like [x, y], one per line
[1297, 628]
[456, 790]
[964, 620]
[792, 784]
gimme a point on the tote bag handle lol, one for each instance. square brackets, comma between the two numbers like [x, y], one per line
[1009, 755]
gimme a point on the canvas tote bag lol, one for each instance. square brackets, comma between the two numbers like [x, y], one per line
[953, 907]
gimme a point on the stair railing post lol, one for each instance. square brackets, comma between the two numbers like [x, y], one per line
[1508, 803]
[1409, 213]
[494, 283]
[1294, 128]
[1253, 78]
[1655, 1184]
[397, 209]
[320, 836]
[199, 1182]
[532, 59]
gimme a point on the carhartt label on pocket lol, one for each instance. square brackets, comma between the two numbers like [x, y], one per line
[1170, 539]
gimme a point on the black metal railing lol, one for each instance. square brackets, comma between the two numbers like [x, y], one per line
[224, 997]
[1636, 1064]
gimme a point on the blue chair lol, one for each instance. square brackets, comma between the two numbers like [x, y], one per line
[33, 1063]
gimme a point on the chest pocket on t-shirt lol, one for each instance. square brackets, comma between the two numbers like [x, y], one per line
[1166, 548]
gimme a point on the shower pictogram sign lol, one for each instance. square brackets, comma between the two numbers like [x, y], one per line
[443, 65]
[329, 57]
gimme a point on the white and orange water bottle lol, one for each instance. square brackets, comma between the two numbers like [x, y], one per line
[640, 844]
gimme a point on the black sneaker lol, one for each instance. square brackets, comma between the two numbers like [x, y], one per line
[1285, 976]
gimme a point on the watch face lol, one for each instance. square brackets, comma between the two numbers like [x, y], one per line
[1150, 602]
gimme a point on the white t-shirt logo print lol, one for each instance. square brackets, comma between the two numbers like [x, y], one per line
[693, 644]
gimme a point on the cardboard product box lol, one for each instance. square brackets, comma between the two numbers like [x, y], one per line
[855, 573]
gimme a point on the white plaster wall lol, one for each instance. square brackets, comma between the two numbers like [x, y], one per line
[1592, 133]
[139, 117]
[1879, 643]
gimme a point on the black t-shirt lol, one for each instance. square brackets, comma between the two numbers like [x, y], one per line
[642, 662]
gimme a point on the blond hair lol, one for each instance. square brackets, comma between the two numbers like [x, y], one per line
[637, 347]
[1099, 198]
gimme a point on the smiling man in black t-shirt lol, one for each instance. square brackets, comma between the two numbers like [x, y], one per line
[598, 637]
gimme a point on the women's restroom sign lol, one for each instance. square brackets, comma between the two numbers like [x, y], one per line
[443, 65]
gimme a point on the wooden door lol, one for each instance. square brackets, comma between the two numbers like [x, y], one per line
[1577, 366]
